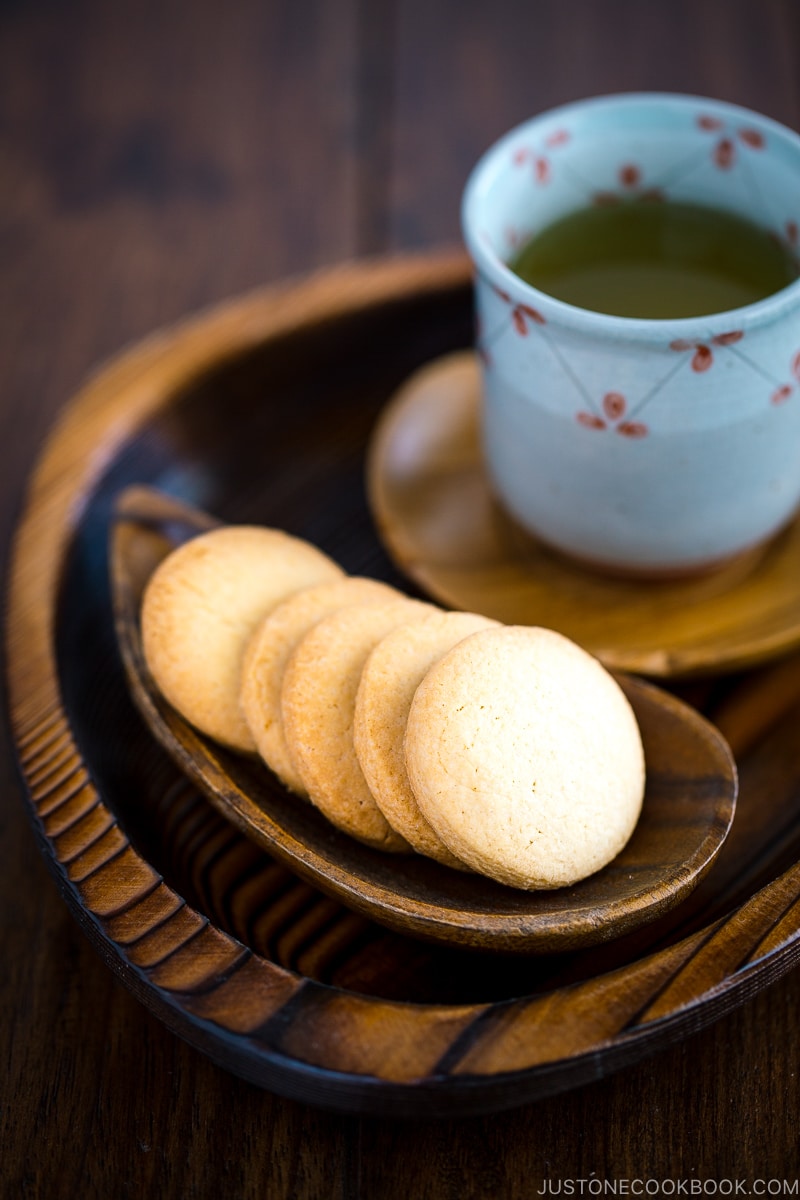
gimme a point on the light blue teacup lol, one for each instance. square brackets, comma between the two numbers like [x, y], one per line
[647, 446]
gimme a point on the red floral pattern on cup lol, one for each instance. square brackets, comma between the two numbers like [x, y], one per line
[729, 142]
[703, 356]
[539, 160]
[723, 153]
[521, 314]
[785, 390]
[630, 179]
[614, 407]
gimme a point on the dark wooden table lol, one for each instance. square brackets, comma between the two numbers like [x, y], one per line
[156, 157]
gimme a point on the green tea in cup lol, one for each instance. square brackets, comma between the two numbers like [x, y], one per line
[654, 258]
[637, 286]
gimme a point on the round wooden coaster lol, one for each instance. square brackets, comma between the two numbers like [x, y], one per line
[432, 502]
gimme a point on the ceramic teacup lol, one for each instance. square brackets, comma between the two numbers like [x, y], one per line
[649, 446]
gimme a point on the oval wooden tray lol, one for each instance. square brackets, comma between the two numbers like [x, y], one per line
[261, 411]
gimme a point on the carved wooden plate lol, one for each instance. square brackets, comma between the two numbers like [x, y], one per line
[686, 814]
[261, 411]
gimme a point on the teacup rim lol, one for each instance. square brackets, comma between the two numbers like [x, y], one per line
[489, 263]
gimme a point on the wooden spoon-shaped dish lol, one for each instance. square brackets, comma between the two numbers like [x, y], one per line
[688, 806]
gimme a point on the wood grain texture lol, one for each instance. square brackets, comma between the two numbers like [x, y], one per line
[89, 266]
[482, 74]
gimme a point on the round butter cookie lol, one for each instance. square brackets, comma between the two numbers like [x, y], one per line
[318, 701]
[268, 652]
[391, 676]
[200, 609]
[525, 757]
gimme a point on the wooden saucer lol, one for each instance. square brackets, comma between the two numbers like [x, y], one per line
[431, 501]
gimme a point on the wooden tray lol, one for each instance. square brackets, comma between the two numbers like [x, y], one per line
[261, 411]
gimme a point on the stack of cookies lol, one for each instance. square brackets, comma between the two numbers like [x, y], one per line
[505, 750]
